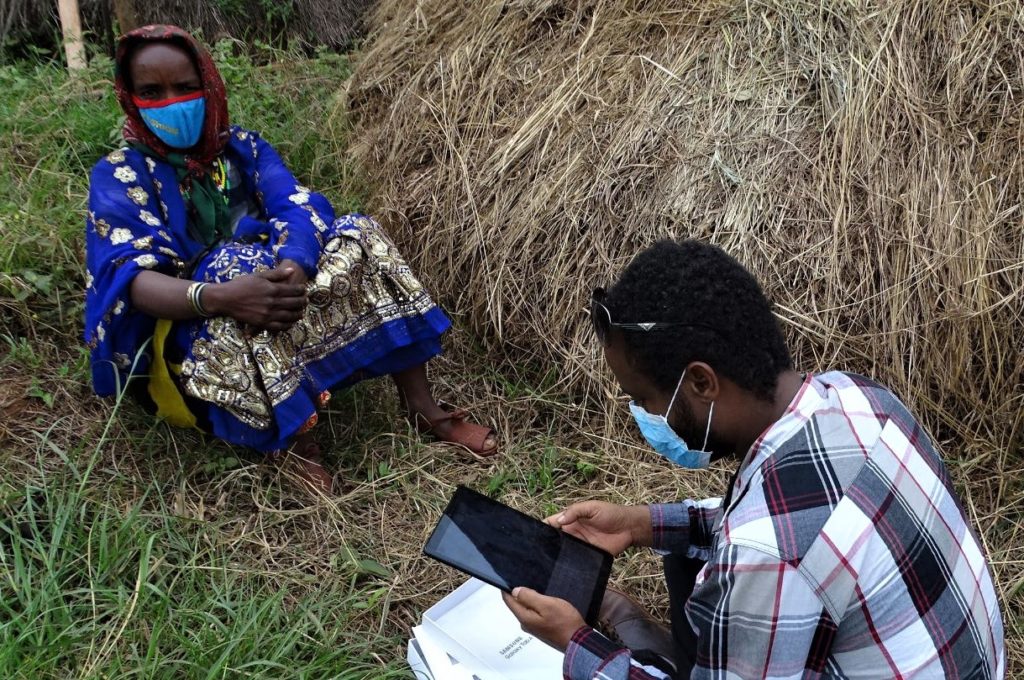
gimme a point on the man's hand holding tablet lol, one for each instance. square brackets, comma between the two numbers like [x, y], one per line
[558, 578]
[546, 618]
[613, 528]
[610, 527]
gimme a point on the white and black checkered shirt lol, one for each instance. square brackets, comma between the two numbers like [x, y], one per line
[844, 553]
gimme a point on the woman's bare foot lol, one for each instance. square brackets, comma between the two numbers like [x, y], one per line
[305, 460]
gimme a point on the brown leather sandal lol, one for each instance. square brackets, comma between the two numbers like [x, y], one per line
[465, 435]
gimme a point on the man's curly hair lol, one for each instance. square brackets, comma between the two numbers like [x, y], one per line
[733, 331]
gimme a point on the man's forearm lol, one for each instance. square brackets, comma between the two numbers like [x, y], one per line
[640, 525]
[684, 528]
[591, 655]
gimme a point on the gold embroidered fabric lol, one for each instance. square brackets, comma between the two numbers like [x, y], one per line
[362, 283]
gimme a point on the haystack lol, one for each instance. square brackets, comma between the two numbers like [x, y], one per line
[865, 162]
[862, 158]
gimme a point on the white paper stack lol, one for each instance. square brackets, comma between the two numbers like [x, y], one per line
[472, 635]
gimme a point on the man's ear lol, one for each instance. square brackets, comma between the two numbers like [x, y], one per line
[702, 382]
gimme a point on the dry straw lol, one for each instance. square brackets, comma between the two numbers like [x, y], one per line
[862, 158]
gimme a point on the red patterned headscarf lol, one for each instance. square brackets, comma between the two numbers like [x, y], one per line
[215, 128]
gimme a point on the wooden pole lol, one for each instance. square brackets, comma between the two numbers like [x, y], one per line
[71, 25]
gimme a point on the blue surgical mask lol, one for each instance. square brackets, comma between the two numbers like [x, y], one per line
[663, 439]
[178, 122]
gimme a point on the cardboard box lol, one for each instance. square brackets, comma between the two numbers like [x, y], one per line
[414, 657]
[434, 659]
[475, 627]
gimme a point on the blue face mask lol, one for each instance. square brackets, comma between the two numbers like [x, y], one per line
[663, 439]
[177, 122]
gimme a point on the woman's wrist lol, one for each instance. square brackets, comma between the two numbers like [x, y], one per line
[213, 300]
[194, 297]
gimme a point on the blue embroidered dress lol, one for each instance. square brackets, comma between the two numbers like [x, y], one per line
[367, 313]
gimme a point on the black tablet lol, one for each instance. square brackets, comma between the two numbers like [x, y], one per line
[507, 548]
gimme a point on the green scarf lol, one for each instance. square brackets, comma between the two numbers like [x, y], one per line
[209, 214]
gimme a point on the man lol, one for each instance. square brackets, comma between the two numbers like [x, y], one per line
[840, 549]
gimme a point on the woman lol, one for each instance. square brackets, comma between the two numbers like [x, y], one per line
[232, 287]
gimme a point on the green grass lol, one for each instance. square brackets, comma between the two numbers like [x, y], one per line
[121, 591]
[104, 574]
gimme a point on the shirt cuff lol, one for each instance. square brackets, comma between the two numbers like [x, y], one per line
[670, 527]
[587, 653]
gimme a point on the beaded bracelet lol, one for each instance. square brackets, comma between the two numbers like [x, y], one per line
[193, 295]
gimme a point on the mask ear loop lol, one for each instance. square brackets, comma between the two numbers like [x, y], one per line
[672, 401]
[707, 432]
[606, 340]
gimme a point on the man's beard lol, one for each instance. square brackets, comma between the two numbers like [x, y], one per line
[692, 432]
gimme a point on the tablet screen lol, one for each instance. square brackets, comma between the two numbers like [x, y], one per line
[507, 548]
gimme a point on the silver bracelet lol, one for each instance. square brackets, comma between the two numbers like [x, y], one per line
[193, 295]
